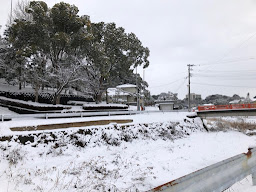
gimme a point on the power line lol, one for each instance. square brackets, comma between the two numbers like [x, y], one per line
[233, 71]
[248, 76]
[222, 85]
[217, 62]
[227, 62]
[232, 49]
[168, 83]
[180, 86]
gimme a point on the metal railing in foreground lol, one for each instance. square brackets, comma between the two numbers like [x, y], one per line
[217, 177]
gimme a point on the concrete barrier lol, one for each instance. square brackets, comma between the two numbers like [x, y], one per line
[217, 177]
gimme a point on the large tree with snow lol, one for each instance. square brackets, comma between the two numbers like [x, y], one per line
[112, 55]
[55, 34]
[61, 49]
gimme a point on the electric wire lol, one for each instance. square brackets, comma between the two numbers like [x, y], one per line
[226, 75]
[167, 83]
[218, 61]
[223, 76]
[180, 86]
[233, 71]
[218, 85]
[232, 49]
[228, 62]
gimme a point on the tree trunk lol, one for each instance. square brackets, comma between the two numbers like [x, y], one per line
[20, 84]
[54, 102]
[97, 98]
[20, 74]
[56, 99]
[107, 97]
[36, 93]
[98, 95]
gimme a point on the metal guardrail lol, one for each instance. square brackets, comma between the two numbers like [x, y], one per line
[217, 177]
[82, 114]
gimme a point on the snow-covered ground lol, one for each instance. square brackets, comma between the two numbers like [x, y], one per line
[6, 111]
[244, 185]
[158, 148]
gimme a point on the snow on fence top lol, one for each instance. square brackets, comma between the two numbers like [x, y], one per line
[104, 106]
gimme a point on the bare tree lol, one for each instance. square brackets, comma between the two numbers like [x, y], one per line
[66, 74]
[20, 12]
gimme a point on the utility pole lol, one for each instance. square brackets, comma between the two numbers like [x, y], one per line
[138, 96]
[189, 75]
[11, 14]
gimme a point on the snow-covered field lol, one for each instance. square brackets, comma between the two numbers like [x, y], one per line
[156, 148]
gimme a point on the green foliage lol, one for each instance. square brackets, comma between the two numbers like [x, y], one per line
[114, 54]
[63, 39]
[65, 18]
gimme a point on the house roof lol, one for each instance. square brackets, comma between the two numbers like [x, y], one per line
[115, 91]
[126, 86]
[235, 101]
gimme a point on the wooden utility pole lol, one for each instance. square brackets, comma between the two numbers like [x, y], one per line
[138, 96]
[189, 75]
[11, 14]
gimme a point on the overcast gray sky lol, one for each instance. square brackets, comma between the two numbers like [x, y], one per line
[218, 36]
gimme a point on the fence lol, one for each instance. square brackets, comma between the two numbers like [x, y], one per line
[217, 177]
[226, 107]
[47, 115]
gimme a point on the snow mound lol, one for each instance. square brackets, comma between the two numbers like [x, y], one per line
[73, 160]
[114, 134]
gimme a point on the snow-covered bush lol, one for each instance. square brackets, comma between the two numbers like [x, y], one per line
[15, 155]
